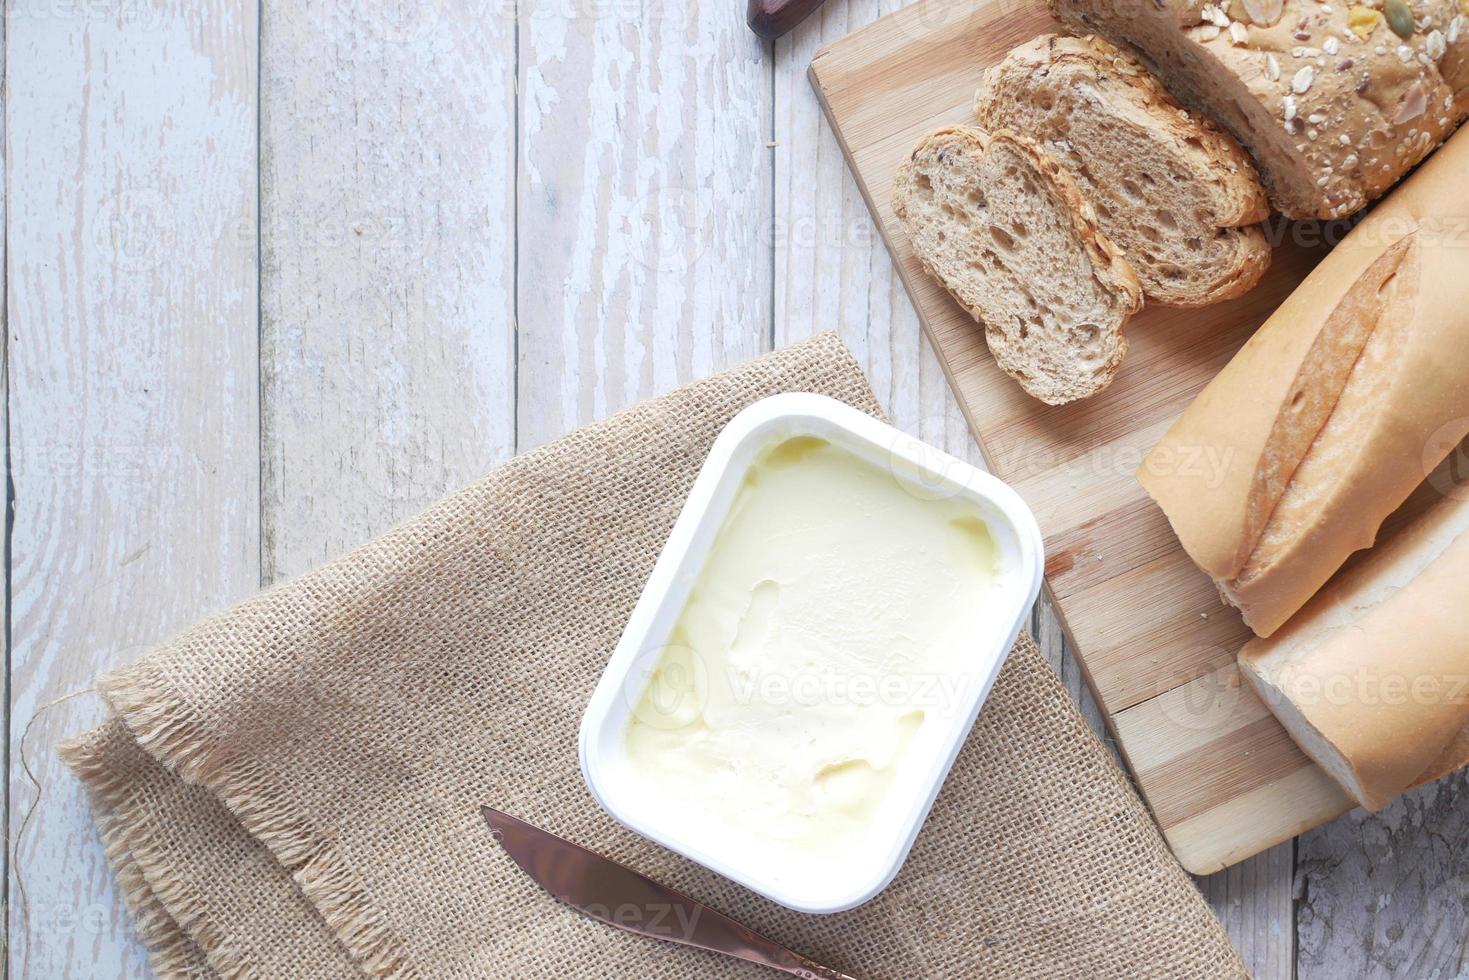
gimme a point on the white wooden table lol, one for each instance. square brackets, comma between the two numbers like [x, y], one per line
[279, 276]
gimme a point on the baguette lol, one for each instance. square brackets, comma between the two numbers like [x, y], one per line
[1372, 677]
[1325, 421]
[1333, 101]
[998, 222]
[1179, 197]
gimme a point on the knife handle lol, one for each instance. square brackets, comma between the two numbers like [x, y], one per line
[713, 930]
[772, 18]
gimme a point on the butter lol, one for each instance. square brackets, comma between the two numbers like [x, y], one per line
[829, 630]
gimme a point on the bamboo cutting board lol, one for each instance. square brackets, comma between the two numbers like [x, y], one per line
[1222, 777]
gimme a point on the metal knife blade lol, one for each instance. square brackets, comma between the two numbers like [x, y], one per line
[604, 890]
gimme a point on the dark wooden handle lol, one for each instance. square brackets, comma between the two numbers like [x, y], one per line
[772, 18]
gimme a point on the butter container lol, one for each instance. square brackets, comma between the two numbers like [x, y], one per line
[810, 652]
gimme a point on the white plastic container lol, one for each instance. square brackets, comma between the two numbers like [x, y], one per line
[926, 471]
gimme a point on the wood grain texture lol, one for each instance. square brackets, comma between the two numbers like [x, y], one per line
[387, 280]
[1253, 900]
[831, 271]
[644, 190]
[1386, 896]
[131, 356]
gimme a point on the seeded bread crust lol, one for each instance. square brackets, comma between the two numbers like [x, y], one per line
[1334, 104]
[934, 195]
[1179, 197]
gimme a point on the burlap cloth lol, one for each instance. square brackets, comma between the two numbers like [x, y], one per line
[290, 788]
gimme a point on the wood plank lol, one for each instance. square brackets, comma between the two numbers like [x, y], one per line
[1387, 895]
[644, 197]
[832, 271]
[131, 355]
[387, 209]
[1253, 900]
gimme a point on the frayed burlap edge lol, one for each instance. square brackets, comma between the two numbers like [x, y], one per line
[165, 913]
[165, 727]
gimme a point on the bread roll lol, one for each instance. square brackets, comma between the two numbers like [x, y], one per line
[1325, 421]
[1372, 677]
[1336, 101]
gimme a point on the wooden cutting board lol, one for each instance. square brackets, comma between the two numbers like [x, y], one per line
[1220, 774]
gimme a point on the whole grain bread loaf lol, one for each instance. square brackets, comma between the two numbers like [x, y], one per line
[1179, 197]
[1336, 100]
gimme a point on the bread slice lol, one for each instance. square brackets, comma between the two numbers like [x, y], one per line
[1005, 230]
[1334, 104]
[1371, 678]
[1180, 198]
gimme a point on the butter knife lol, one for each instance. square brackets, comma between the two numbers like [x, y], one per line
[772, 18]
[604, 890]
